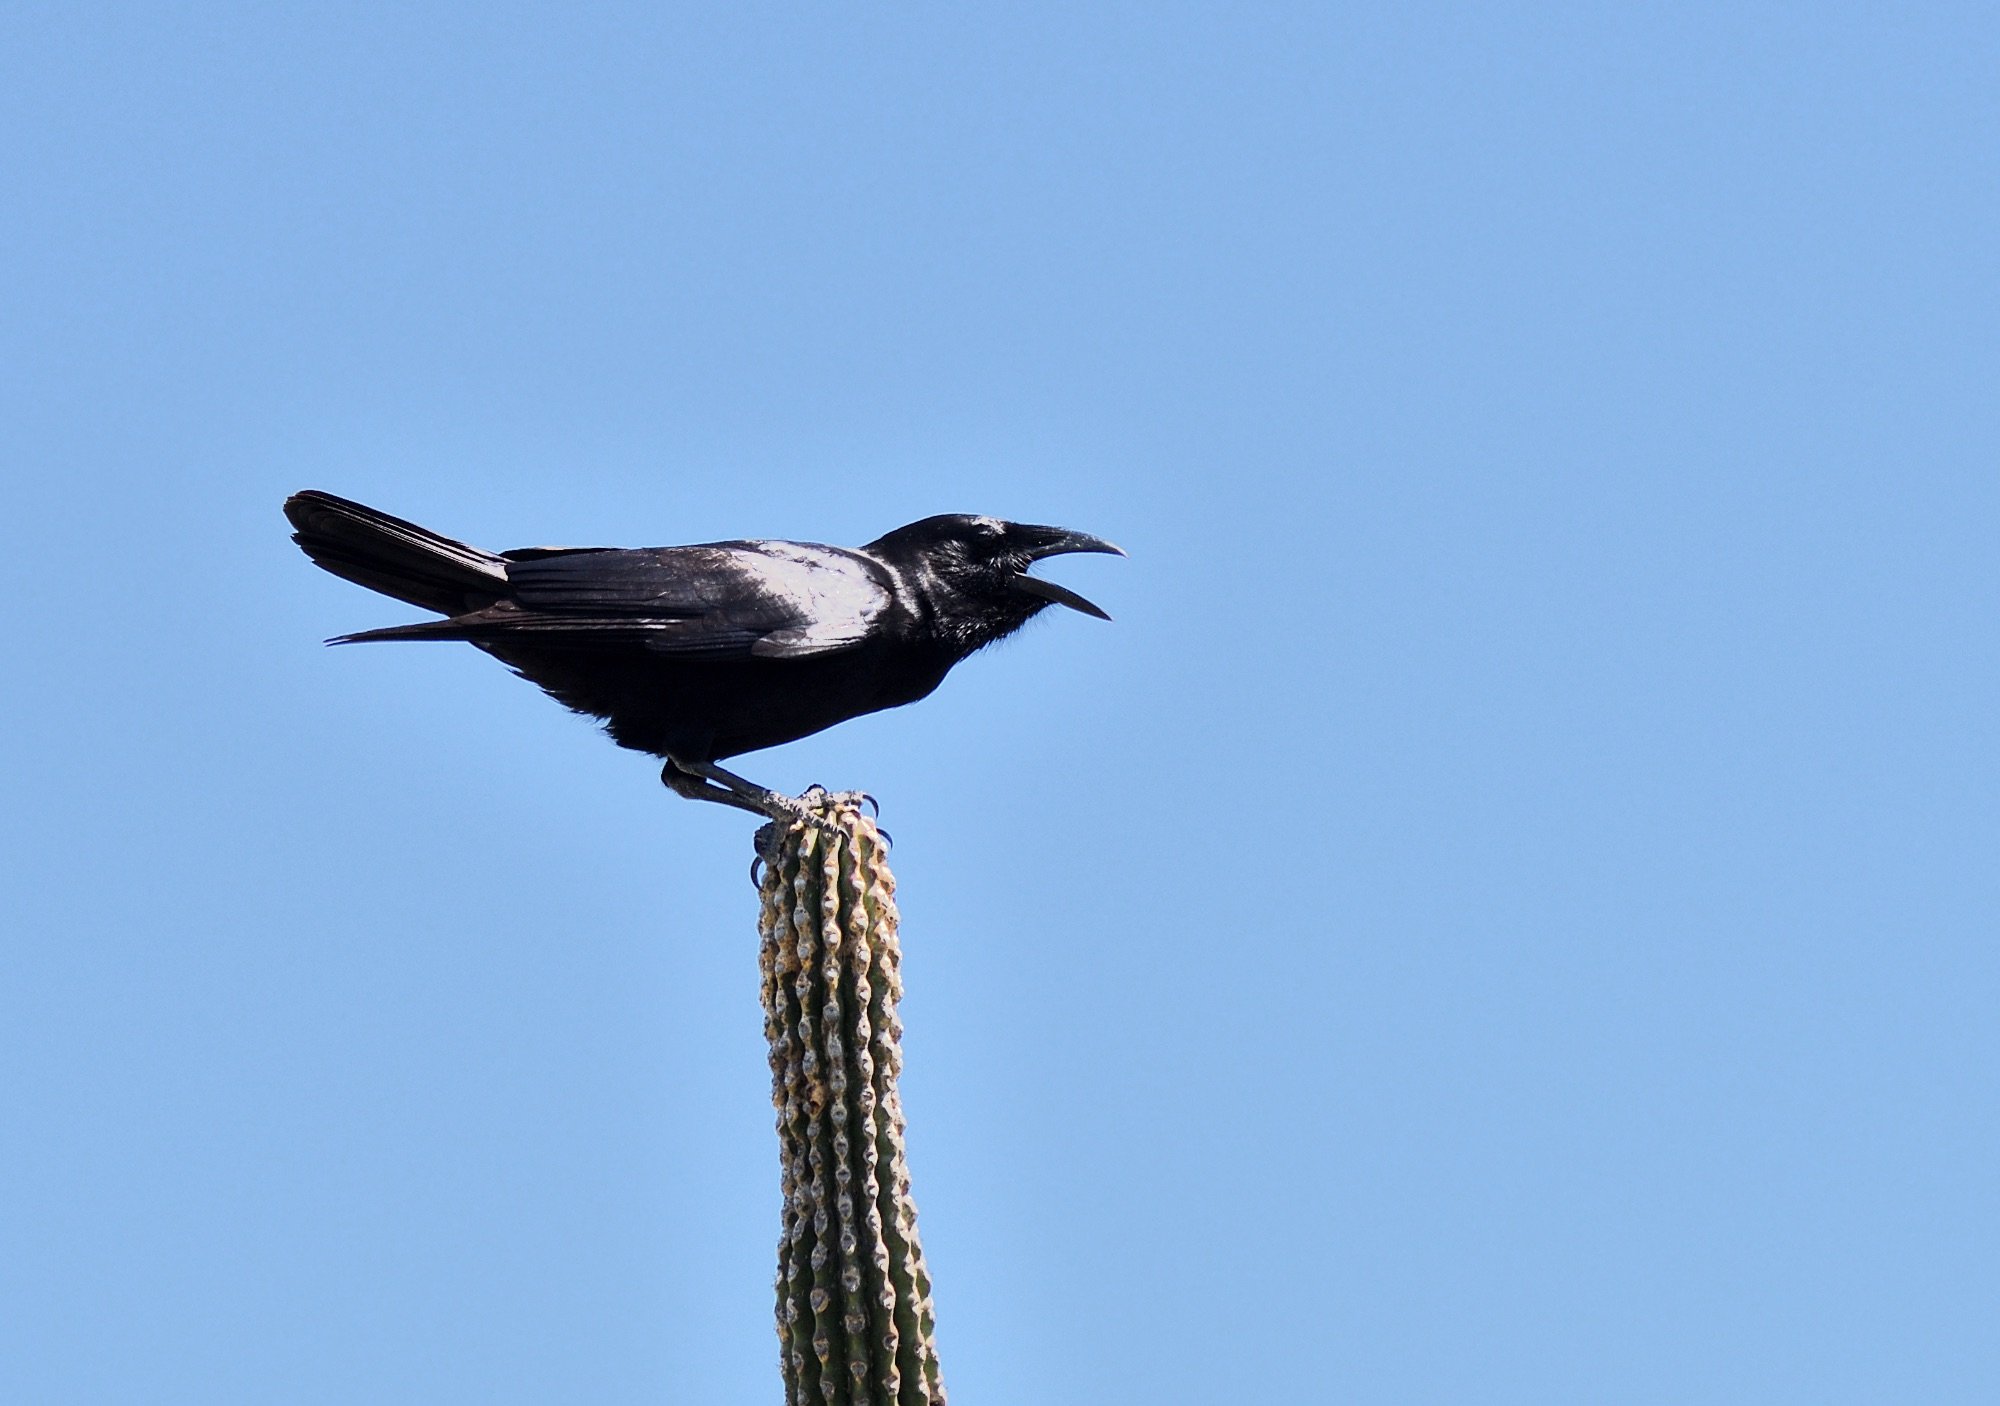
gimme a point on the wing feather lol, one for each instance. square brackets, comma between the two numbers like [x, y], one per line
[765, 600]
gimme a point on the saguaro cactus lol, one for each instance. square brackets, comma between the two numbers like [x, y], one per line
[855, 1322]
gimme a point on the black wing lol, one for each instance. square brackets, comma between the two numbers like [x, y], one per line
[766, 600]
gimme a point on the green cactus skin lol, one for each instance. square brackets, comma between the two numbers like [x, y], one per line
[855, 1322]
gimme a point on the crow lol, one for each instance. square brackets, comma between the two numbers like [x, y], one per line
[698, 653]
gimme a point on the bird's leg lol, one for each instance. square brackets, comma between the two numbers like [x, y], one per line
[705, 781]
[684, 783]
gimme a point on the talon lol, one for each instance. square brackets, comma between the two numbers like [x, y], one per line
[757, 863]
[769, 841]
[874, 806]
[888, 840]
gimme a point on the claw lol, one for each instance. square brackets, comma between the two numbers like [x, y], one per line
[769, 841]
[874, 806]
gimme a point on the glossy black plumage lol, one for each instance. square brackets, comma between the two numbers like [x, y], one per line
[702, 652]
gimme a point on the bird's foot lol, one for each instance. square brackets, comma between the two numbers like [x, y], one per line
[803, 810]
[818, 795]
[858, 799]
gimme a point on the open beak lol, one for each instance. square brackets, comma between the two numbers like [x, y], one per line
[1055, 542]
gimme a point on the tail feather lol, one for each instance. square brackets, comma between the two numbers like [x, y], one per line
[395, 557]
[426, 630]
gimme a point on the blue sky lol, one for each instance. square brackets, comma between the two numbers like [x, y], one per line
[1505, 915]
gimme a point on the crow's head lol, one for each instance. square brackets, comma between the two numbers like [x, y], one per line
[974, 571]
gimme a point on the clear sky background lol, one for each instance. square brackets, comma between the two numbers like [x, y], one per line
[1506, 914]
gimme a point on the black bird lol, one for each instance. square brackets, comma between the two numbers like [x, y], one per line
[698, 653]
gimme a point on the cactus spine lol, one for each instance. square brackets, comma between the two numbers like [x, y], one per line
[855, 1323]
